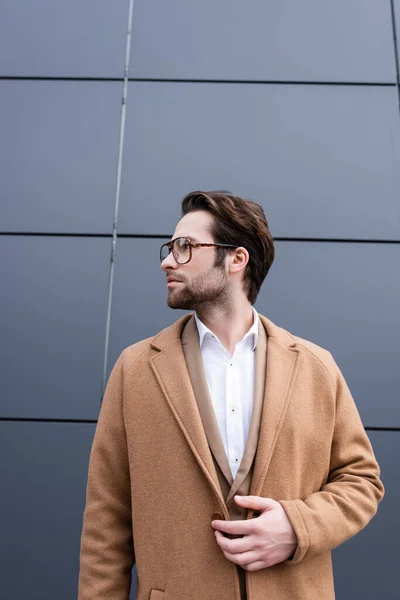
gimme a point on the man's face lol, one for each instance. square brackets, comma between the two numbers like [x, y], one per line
[198, 282]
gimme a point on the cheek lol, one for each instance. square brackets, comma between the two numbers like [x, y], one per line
[203, 262]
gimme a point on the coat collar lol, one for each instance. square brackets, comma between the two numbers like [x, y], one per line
[170, 369]
[172, 333]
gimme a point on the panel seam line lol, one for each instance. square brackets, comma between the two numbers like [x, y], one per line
[117, 192]
[396, 54]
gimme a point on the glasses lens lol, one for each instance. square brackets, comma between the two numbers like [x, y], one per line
[164, 252]
[181, 250]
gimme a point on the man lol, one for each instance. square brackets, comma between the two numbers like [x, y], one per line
[229, 458]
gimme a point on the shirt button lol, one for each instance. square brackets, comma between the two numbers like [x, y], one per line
[236, 460]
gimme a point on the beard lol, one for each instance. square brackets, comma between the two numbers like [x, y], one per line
[206, 289]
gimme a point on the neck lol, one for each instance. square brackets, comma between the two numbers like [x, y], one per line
[230, 324]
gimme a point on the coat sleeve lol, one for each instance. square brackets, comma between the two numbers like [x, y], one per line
[350, 497]
[107, 552]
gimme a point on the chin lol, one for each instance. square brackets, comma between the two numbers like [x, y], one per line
[172, 302]
[178, 303]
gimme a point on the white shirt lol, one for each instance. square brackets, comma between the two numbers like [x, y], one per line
[231, 384]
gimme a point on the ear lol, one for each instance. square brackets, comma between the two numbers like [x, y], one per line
[238, 260]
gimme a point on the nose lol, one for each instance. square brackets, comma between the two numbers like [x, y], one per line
[169, 262]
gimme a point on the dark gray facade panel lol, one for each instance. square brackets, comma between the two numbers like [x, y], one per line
[132, 595]
[59, 155]
[52, 317]
[342, 297]
[49, 38]
[44, 476]
[324, 161]
[366, 566]
[297, 41]
[138, 305]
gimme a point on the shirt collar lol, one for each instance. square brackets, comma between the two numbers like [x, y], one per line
[204, 331]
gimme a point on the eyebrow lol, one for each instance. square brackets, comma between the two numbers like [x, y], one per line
[191, 237]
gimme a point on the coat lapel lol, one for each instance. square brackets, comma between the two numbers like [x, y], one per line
[170, 369]
[280, 376]
[194, 362]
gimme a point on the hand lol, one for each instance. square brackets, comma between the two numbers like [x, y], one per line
[268, 539]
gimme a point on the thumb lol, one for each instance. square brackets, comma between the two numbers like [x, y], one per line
[256, 502]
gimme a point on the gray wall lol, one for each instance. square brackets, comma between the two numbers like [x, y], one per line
[292, 104]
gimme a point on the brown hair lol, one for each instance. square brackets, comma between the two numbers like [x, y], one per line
[241, 223]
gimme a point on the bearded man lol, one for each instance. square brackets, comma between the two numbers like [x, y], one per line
[229, 458]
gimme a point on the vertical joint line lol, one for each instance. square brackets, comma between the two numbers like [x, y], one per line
[113, 247]
[396, 53]
[117, 190]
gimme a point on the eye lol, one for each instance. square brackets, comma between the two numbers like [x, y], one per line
[183, 245]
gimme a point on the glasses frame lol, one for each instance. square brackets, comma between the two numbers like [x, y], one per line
[170, 246]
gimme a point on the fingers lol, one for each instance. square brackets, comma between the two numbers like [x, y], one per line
[262, 541]
[249, 560]
[234, 527]
[234, 546]
[256, 502]
[244, 559]
[256, 566]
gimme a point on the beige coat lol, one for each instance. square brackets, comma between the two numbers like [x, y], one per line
[157, 472]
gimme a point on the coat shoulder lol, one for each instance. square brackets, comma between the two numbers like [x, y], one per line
[131, 354]
[314, 353]
[319, 354]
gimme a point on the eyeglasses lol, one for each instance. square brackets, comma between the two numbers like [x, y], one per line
[181, 249]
